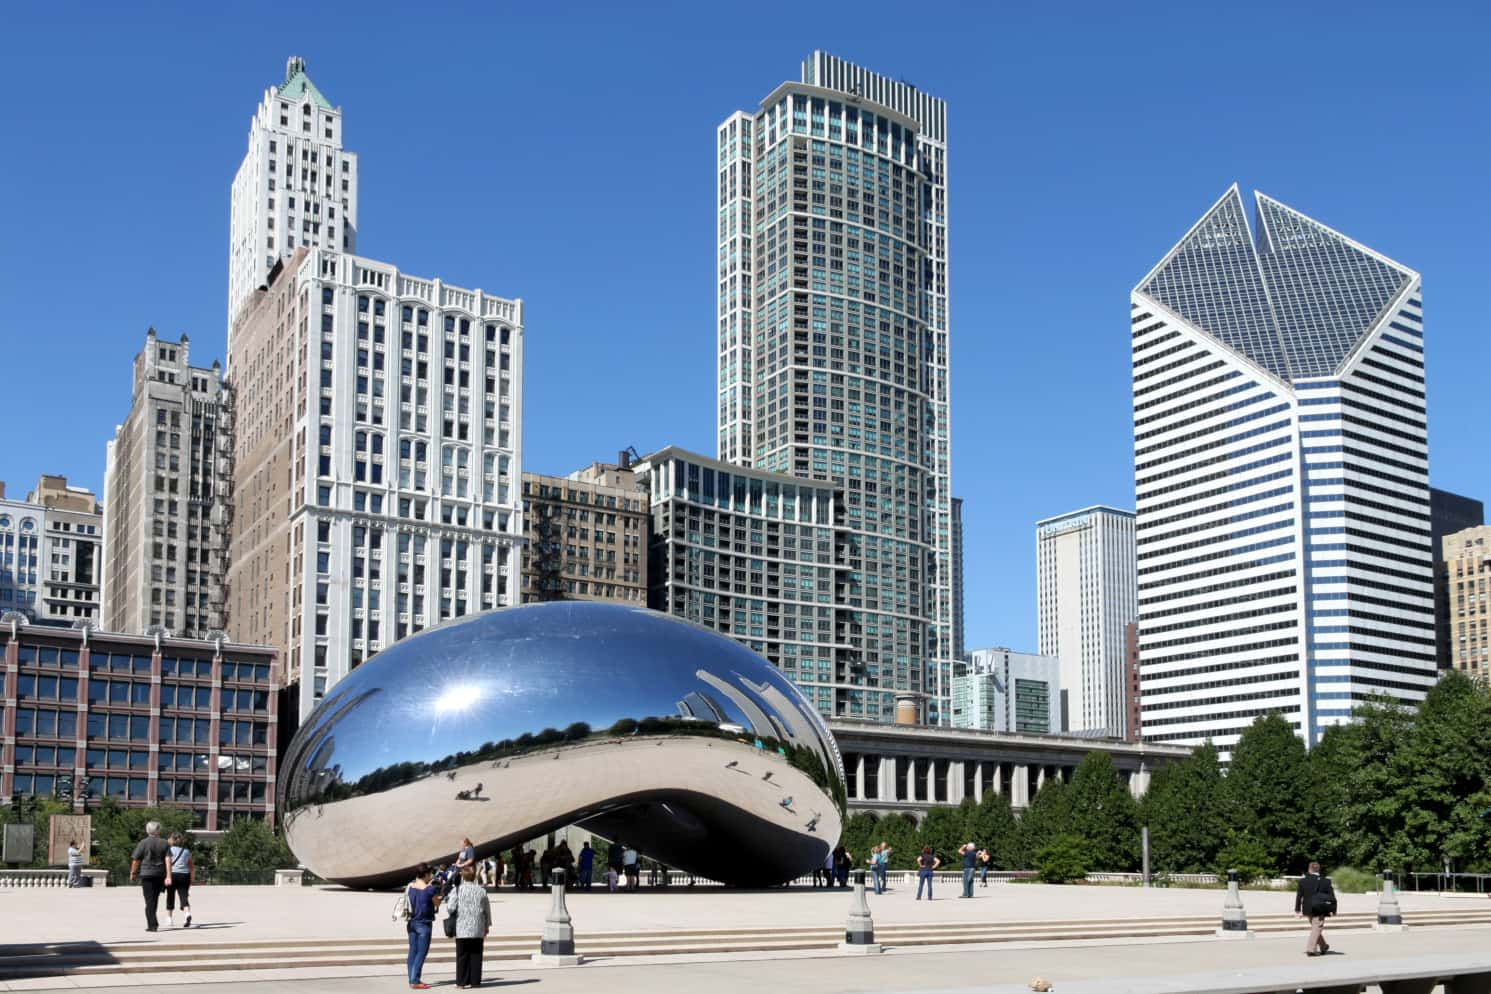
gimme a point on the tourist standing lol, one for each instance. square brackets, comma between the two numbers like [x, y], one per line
[148, 866]
[969, 852]
[926, 863]
[614, 853]
[587, 865]
[1315, 899]
[74, 864]
[632, 869]
[983, 867]
[424, 899]
[842, 861]
[183, 875]
[473, 913]
[873, 864]
[464, 858]
[883, 867]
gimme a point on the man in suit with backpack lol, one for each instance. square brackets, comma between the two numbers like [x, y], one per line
[1315, 899]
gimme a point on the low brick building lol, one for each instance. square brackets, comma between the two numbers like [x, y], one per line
[145, 720]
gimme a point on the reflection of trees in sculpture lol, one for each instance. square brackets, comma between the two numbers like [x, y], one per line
[802, 758]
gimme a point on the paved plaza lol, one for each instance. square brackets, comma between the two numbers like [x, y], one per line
[334, 919]
[237, 914]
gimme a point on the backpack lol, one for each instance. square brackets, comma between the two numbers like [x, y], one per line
[401, 910]
[1323, 904]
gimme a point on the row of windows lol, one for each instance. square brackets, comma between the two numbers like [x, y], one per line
[1236, 664]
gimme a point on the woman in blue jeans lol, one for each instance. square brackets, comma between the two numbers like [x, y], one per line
[925, 864]
[424, 899]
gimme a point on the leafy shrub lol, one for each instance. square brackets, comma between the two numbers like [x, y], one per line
[1350, 880]
[1066, 857]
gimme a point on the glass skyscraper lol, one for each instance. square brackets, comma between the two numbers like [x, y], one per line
[1281, 469]
[832, 329]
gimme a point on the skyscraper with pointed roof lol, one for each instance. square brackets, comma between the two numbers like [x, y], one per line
[1281, 470]
[296, 186]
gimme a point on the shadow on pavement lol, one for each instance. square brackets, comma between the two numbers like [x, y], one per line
[50, 959]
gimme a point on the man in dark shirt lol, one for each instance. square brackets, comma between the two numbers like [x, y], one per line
[969, 853]
[614, 852]
[148, 866]
[1304, 906]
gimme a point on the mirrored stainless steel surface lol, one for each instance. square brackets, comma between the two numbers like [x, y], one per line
[501, 726]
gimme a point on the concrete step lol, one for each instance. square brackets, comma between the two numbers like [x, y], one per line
[85, 960]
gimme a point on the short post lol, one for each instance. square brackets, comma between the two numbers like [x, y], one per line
[1234, 918]
[1389, 915]
[557, 948]
[859, 933]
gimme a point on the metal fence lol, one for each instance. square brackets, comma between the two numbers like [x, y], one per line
[1451, 883]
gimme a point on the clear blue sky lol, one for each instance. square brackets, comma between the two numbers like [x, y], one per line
[564, 153]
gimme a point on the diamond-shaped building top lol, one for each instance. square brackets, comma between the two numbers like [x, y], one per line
[1296, 303]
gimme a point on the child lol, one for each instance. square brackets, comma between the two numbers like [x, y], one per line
[611, 879]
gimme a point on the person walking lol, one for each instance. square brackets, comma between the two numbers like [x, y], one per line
[587, 865]
[1315, 899]
[969, 852]
[183, 875]
[424, 899]
[148, 866]
[473, 912]
[926, 863]
[74, 864]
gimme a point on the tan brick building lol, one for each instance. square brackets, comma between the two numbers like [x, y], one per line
[587, 536]
[1467, 567]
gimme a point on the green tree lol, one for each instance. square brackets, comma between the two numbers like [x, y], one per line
[945, 830]
[900, 832]
[1331, 767]
[992, 825]
[1104, 813]
[1446, 765]
[250, 845]
[1267, 787]
[1064, 858]
[859, 836]
[1185, 811]
[117, 830]
[1248, 856]
[1369, 755]
[1048, 816]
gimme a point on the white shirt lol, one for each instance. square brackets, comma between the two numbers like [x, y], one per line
[629, 858]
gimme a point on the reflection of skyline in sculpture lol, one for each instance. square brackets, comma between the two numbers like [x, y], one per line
[503, 698]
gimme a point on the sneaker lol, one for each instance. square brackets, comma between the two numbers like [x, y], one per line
[170, 923]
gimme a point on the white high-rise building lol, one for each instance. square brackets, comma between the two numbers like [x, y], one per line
[833, 354]
[1281, 469]
[296, 187]
[377, 456]
[1085, 597]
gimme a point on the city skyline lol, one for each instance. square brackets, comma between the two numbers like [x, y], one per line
[1002, 368]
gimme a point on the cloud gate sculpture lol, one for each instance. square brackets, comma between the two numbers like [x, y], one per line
[502, 726]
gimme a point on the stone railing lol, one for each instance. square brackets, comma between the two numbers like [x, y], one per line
[48, 878]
